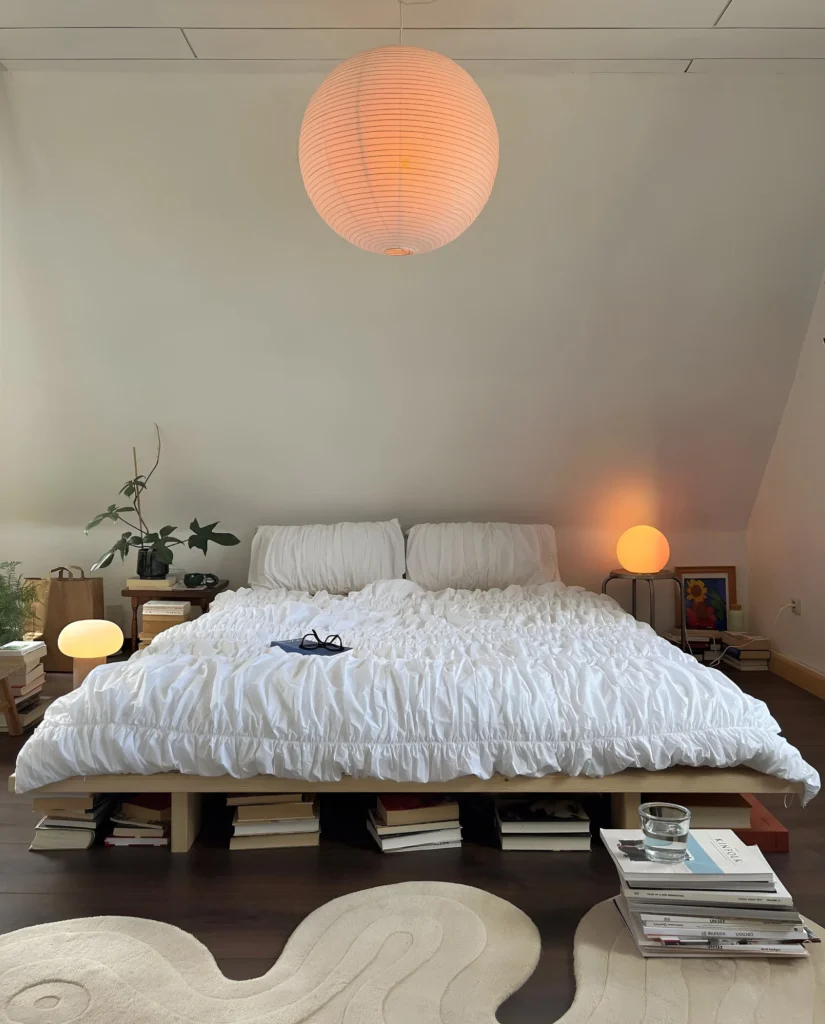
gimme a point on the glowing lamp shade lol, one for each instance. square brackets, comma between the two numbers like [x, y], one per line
[399, 150]
[643, 549]
[90, 638]
[88, 642]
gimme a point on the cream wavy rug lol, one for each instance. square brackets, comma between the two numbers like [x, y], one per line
[416, 953]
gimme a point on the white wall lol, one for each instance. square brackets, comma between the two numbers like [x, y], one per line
[612, 342]
[786, 537]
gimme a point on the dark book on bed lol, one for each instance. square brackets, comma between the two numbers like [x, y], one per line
[294, 647]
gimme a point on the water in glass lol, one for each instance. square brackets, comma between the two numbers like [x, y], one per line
[665, 828]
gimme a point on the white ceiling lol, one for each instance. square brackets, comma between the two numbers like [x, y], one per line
[694, 36]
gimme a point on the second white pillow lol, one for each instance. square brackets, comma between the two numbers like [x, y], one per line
[480, 556]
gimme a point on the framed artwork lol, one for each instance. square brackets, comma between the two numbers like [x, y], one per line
[709, 592]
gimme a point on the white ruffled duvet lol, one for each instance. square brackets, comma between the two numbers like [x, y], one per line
[522, 681]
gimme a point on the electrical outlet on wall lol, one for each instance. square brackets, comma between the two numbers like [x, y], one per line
[796, 606]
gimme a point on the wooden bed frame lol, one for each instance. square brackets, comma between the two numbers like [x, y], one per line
[624, 789]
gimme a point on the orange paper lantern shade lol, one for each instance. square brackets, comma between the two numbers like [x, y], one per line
[643, 549]
[399, 150]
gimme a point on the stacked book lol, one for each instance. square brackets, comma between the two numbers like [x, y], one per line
[702, 643]
[752, 822]
[161, 615]
[401, 823]
[265, 821]
[544, 824]
[746, 652]
[26, 681]
[71, 821]
[723, 901]
[167, 583]
[141, 821]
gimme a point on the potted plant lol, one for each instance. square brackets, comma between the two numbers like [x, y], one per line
[17, 600]
[154, 548]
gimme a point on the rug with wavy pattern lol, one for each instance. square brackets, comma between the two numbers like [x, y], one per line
[415, 953]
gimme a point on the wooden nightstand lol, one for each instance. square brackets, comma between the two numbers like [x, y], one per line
[200, 596]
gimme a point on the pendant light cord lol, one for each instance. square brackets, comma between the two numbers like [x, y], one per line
[401, 5]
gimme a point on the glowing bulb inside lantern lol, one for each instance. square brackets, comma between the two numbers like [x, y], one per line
[643, 549]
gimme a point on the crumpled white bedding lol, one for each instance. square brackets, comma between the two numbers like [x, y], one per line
[522, 681]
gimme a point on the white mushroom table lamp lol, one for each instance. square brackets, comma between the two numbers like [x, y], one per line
[89, 642]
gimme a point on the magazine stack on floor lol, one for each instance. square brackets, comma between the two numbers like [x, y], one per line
[267, 821]
[141, 821]
[543, 824]
[71, 821]
[404, 823]
[723, 901]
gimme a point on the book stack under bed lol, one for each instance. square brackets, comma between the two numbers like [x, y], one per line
[141, 821]
[75, 821]
[267, 821]
[26, 681]
[161, 615]
[724, 901]
[402, 823]
[543, 824]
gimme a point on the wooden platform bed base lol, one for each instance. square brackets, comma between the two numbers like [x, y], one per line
[624, 788]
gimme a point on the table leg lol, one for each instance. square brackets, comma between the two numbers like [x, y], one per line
[633, 597]
[652, 616]
[13, 725]
[134, 623]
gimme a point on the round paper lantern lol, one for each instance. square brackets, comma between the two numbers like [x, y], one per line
[643, 549]
[399, 150]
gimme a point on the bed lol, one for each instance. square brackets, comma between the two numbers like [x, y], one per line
[532, 686]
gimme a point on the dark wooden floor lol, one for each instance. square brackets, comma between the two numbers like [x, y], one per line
[243, 906]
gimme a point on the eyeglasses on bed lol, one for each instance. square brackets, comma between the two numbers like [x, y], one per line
[311, 642]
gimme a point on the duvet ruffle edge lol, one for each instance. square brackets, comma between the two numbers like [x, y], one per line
[59, 751]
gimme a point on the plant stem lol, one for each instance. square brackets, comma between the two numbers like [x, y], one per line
[141, 520]
[130, 525]
[157, 458]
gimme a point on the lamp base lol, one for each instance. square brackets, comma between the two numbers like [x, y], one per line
[81, 667]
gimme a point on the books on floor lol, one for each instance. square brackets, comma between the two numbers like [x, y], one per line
[745, 666]
[52, 837]
[542, 824]
[70, 827]
[158, 616]
[29, 714]
[403, 822]
[724, 901]
[275, 820]
[711, 810]
[141, 821]
[409, 809]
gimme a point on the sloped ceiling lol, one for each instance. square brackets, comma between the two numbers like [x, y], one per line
[618, 330]
[694, 36]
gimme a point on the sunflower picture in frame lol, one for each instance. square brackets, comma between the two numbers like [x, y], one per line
[709, 591]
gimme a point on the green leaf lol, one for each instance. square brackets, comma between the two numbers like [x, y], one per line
[166, 530]
[202, 535]
[162, 552]
[120, 547]
[112, 512]
[104, 560]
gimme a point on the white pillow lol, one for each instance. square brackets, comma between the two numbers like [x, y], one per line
[480, 556]
[338, 558]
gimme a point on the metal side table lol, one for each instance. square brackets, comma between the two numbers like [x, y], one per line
[651, 577]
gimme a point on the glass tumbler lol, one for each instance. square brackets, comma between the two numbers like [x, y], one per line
[665, 828]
